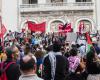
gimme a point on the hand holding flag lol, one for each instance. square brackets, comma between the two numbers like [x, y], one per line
[65, 28]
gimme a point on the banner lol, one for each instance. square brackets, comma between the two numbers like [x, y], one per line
[36, 27]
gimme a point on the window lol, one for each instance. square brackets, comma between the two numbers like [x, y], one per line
[32, 1]
[56, 0]
[25, 1]
[83, 0]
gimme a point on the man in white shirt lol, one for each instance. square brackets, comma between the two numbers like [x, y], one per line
[28, 68]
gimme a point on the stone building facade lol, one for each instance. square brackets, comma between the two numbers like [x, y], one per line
[55, 12]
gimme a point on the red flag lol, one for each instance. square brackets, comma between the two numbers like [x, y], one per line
[30, 26]
[67, 28]
[3, 31]
[36, 27]
[60, 27]
[0, 24]
[2, 28]
[88, 38]
[81, 26]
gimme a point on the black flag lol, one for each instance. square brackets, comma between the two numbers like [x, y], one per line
[64, 26]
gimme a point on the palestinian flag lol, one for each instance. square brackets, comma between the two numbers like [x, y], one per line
[89, 41]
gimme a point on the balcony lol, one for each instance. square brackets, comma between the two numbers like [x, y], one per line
[56, 6]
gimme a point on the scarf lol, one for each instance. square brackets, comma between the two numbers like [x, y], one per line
[52, 58]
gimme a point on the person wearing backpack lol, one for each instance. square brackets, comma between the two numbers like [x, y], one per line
[9, 69]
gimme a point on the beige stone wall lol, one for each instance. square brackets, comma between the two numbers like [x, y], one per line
[66, 16]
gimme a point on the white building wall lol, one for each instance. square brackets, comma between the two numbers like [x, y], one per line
[98, 13]
[9, 14]
[65, 0]
[70, 1]
[41, 1]
[20, 1]
[0, 6]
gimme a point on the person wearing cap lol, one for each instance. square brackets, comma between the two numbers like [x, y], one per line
[28, 68]
[12, 71]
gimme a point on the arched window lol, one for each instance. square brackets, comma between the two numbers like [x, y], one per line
[54, 26]
[85, 25]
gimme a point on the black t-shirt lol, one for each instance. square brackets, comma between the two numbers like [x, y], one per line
[93, 68]
[61, 68]
[13, 71]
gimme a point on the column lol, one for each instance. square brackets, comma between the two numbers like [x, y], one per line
[48, 1]
[41, 1]
[19, 3]
[94, 12]
[98, 13]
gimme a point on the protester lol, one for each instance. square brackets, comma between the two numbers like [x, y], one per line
[27, 49]
[55, 65]
[82, 50]
[28, 68]
[12, 71]
[76, 66]
[55, 57]
[39, 56]
[93, 65]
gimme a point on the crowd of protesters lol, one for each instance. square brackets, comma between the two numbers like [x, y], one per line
[39, 56]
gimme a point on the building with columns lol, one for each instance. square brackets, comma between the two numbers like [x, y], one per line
[53, 12]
